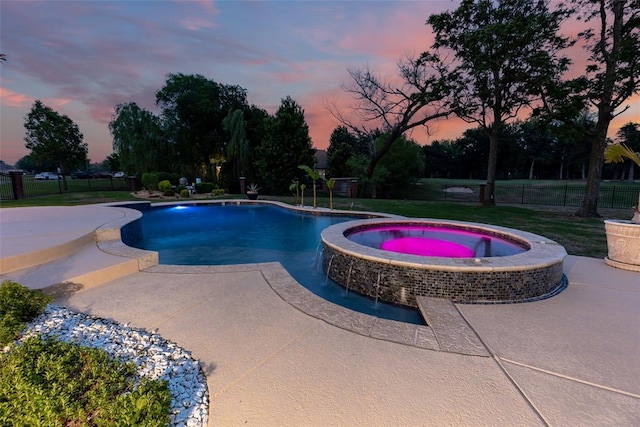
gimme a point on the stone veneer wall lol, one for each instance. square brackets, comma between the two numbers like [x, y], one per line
[400, 284]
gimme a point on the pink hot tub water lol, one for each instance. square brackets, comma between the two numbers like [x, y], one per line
[435, 241]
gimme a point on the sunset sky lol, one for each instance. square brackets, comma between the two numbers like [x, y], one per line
[82, 58]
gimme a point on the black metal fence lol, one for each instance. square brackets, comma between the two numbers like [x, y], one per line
[612, 196]
[17, 186]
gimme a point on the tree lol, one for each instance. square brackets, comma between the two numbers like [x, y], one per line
[112, 163]
[342, 145]
[286, 146]
[28, 163]
[54, 139]
[504, 52]
[536, 142]
[404, 163]
[139, 140]
[418, 96]
[237, 148]
[193, 108]
[610, 78]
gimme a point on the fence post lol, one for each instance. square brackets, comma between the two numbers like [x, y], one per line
[564, 202]
[613, 196]
[522, 196]
[17, 186]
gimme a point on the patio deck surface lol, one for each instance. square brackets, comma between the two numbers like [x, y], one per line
[573, 359]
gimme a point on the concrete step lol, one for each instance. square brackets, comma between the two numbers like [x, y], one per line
[452, 331]
[86, 267]
[92, 264]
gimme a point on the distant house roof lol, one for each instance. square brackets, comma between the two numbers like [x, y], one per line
[321, 159]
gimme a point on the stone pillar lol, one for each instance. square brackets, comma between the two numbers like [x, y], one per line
[17, 185]
[243, 187]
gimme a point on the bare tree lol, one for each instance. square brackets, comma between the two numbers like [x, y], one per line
[419, 96]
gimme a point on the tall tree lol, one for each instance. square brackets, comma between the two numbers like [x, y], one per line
[610, 78]
[193, 108]
[286, 146]
[418, 95]
[237, 147]
[139, 140]
[54, 138]
[503, 53]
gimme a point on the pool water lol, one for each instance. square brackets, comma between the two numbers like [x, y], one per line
[436, 241]
[231, 234]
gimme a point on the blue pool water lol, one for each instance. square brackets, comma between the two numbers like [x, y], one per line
[231, 234]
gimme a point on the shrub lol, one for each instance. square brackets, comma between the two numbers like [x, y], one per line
[184, 194]
[165, 186]
[204, 187]
[47, 382]
[179, 188]
[150, 180]
[18, 305]
[218, 192]
[168, 176]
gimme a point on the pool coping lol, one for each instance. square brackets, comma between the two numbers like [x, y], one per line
[433, 336]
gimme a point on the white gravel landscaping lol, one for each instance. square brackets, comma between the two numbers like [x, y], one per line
[154, 357]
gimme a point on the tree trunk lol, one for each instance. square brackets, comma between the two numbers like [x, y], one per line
[562, 167]
[589, 208]
[489, 193]
[533, 162]
[606, 109]
[631, 172]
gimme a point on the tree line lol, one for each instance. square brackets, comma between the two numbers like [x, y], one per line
[489, 64]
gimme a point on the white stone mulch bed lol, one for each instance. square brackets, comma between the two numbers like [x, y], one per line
[154, 357]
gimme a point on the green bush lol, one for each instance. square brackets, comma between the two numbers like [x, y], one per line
[204, 187]
[169, 176]
[165, 186]
[179, 188]
[18, 305]
[185, 194]
[218, 192]
[51, 383]
[150, 180]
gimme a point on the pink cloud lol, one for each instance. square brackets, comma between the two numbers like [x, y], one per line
[10, 98]
[194, 24]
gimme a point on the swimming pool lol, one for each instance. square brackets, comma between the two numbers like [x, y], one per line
[216, 234]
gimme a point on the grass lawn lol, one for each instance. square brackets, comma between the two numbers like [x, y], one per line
[580, 236]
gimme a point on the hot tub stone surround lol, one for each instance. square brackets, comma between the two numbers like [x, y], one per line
[399, 278]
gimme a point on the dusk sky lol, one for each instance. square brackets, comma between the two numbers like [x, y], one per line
[82, 58]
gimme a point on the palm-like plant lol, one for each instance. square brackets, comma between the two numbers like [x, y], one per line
[618, 153]
[331, 182]
[295, 188]
[314, 175]
[302, 188]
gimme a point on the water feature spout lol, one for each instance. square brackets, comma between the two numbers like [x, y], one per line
[378, 286]
[318, 258]
[349, 275]
[326, 279]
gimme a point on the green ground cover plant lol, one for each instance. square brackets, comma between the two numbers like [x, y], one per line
[51, 383]
[44, 382]
[18, 305]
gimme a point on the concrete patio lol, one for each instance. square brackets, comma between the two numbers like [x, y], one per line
[271, 360]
